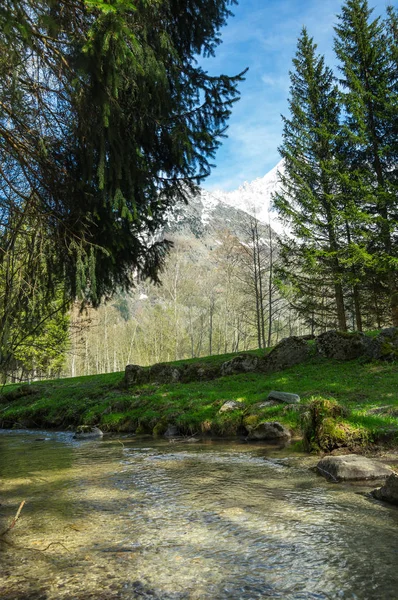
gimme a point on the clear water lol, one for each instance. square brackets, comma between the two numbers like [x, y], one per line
[144, 519]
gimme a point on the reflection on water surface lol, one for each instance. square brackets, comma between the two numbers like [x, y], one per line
[144, 519]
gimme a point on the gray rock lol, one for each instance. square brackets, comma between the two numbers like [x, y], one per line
[231, 405]
[351, 467]
[384, 346]
[271, 430]
[164, 374]
[85, 432]
[389, 491]
[244, 363]
[266, 404]
[284, 397]
[134, 374]
[342, 346]
[171, 431]
[289, 352]
[199, 372]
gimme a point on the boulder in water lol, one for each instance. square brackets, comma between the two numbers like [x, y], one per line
[351, 467]
[86, 432]
[389, 491]
[171, 432]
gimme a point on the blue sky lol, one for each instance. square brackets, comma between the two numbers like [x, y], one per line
[263, 36]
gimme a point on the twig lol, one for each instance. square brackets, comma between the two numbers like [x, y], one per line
[51, 544]
[15, 519]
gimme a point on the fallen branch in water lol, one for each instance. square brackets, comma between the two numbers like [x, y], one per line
[15, 519]
[12, 525]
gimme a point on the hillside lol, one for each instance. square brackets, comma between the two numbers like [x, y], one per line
[366, 392]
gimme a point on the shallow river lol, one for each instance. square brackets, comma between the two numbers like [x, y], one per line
[134, 518]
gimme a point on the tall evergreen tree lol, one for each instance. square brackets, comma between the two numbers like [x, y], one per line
[369, 77]
[106, 120]
[310, 200]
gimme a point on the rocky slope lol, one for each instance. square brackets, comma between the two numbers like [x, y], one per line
[210, 213]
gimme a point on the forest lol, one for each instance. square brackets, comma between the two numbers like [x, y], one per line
[92, 274]
[198, 393]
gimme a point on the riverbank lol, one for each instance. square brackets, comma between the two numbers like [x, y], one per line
[364, 392]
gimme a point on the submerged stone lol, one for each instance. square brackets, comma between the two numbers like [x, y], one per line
[351, 467]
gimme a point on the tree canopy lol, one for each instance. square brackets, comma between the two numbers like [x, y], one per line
[339, 186]
[106, 120]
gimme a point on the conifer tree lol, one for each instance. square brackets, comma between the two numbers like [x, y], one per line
[369, 77]
[310, 201]
[106, 120]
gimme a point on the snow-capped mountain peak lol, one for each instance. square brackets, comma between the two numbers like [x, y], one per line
[254, 198]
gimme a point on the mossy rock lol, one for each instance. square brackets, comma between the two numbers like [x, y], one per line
[324, 428]
[159, 429]
[340, 345]
[251, 421]
[385, 345]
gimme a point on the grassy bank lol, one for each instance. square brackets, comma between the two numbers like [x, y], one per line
[368, 393]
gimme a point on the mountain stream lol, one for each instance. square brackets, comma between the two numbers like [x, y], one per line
[136, 518]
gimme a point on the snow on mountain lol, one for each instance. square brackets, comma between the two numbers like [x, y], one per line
[253, 198]
[200, 221]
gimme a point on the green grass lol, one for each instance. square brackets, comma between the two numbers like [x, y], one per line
[194, 407]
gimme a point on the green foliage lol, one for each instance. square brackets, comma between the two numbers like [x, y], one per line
[311, 201]
[128, 125]
[339, 188]
[365, 48]
[363, 406]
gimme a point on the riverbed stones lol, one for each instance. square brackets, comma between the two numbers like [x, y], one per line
[351, 467]
[283, 397]
[231, 405]
[86, 432]
[268, 431]
[244, 363]
[289, 352]
[389, 491]
[342, 346]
